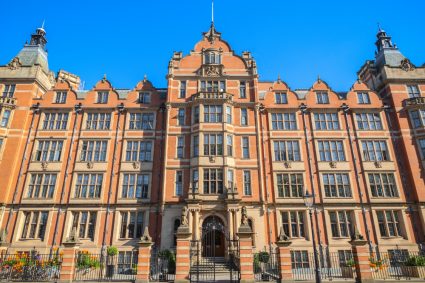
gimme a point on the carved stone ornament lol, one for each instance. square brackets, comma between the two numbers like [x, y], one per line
[14, 64]
[244, 218]
[406, 65]
[332, 164]
[184, 220]
[73, 238]
[212, 70]
[287, 164]
[89, 165]
[282, 236]
[136, 165]
[378, 164]
[146, 238]
[212, 159]
[44, 165]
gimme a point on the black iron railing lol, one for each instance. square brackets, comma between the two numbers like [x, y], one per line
[120, 267]
[162, 265]
[332, 266]
[267, 266]
[397, 264]
[30, 266]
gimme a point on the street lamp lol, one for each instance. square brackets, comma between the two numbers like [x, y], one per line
[309, 202]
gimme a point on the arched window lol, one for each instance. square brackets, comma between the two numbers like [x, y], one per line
[176, 226]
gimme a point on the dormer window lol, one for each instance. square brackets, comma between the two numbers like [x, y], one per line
[102, 97]
[212, 58]
[144, 97]
[322, 97]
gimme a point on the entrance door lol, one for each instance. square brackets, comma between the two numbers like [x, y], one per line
[213, 244]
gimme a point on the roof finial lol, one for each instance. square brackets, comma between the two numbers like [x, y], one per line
[318, 79]
[278, 78]
[42, 25]
[145, 78]
[104, 78]
[379, 26]
[212, 11]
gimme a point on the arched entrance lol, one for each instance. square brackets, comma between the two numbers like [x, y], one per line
[213, 237]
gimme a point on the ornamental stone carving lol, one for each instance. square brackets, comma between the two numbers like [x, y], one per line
[44, 165]
[136, 165]
[212, 70]
[14, 64]
[89, 165]
[406, 65]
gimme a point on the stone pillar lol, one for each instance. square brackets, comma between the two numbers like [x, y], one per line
[283, 244]
[195, 230]
[183, 249]
[245, 250]
[361, 258]
[143, 258]
[230, 222]
[190, 220]
[68, 261]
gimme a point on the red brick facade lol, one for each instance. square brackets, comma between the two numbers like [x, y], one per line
[107, 162]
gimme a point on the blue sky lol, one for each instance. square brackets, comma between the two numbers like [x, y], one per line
[297, 39]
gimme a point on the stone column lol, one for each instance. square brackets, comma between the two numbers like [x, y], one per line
[283, 244]
[245, 250]
[190, 220]
[195, 231]
[143, 258]
[361, 258]
[183, 250]
[68, 261]
[230, 222]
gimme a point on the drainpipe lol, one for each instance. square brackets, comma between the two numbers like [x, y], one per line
[303, 109]
[35, 110]
[121, 110]
[78, 110]
[162, 109]
[345, 108]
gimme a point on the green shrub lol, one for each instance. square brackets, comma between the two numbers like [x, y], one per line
[350, 263]
[111, 251]
[263, 257]
[171, 258]
[416, 260]
[86, 260]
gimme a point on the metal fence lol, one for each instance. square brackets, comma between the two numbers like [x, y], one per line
[162, 265]
[397, 264]
[267, 266]
[331, 265]
[30, 266]
[120, 267]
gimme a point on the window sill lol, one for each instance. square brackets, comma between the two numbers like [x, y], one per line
[31, 239]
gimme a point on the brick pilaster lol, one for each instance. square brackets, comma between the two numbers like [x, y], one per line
[361, 258]
[68, 261]
[285, 260]
[245, 254]
[143, 262]
[183, 254]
